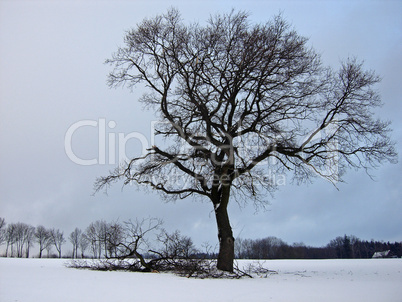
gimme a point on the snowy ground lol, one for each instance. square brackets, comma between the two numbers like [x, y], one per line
[44, 280]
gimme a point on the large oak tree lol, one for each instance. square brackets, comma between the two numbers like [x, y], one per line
[240, 103]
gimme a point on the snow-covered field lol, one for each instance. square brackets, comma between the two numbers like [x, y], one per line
[44, 280]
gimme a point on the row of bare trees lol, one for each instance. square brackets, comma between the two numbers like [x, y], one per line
[102, 239]
[135, 239]
[20, 237]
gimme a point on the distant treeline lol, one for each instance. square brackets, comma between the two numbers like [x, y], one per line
[101, 238]
[342, 247]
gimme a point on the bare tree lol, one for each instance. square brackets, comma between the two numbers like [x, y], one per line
[243, 248]
[114, 235]
[96, 233]
[3, 225]
[19, 237]
[266, 248]
[10, 238]
[21, 234]
[92, 237]
[83, 244]
[135, 242]
[48, 247]
[337, 245]
[176, 246]
[243, 104]
[57, 239]
[43, 238]
[130, 247]
[75, 238]
[29, 239]
[102, 237]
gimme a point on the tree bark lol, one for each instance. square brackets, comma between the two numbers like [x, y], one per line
[225, 234]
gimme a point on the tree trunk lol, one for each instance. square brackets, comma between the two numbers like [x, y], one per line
[225, 234]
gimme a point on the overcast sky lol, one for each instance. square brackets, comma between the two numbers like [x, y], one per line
[53, 80]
